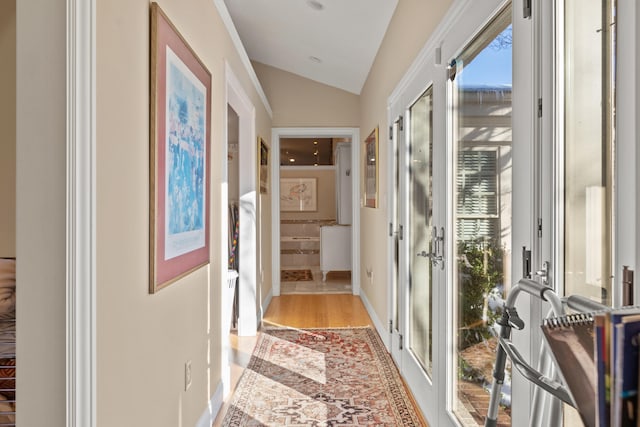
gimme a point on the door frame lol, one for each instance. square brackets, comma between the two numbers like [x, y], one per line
[627, 156]
[81, 214]
[338, 132]
[626, 180]
[394, 150]
[237, 98]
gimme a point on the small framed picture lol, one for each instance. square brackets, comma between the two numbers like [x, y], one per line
[263, 169]
[371, 170]
[298, 194]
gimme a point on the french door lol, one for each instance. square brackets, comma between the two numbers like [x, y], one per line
[451, 220]
[417, 250]
[500, 173]
[480, 213]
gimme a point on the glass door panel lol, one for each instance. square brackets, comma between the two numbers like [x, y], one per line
[588, 98]
[418, 266]
[482, 185]
[583, 241]
[421, 248]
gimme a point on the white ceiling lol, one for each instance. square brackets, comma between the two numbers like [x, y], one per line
[287, 34]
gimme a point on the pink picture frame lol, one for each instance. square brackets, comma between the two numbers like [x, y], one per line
[179, 150]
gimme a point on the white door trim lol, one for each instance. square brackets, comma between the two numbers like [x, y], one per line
[627, 250]
[81, 215]
[276, 134]
[242, 53]
[237, 98]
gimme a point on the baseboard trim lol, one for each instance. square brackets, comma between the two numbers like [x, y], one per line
[210, 414]
[380, 327]
[264, 306]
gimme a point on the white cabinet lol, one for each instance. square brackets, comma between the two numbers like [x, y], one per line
[335, 249]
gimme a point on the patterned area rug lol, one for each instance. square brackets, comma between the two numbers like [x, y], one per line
[320, 377]
[296, 275]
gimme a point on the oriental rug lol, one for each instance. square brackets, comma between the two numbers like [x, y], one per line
[296, 275]
[321, 377]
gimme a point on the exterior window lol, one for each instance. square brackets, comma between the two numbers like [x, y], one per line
[588, 101]
[478, 201]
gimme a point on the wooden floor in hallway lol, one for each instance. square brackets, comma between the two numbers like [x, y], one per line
[297, 311]
[317, 311]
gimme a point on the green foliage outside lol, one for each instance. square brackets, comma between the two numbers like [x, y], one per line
[479, 271]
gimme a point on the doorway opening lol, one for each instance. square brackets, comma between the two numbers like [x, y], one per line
[316, 217]
[233, 199]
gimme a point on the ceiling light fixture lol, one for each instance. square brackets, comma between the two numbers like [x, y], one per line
[315, 5]
[315, 59]
[292, 160]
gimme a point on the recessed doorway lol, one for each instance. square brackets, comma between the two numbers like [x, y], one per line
[315, 215]
[315, 211]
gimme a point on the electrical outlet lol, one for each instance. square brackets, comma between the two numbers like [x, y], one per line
[370, 275]
[187, 375]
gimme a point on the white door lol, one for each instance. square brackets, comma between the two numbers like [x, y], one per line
[453, 180]
[480, 211]
[416, 253]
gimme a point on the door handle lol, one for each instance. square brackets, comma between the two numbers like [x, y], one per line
[437, 240]
[435, 259]
[543, 273]
[627, 285]
[526, 263]
[437, 248]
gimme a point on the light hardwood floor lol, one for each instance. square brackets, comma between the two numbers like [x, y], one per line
[297, 311]
[316, 311]
[336, 285]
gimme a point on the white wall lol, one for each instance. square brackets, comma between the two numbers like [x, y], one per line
[145, 340]
[326, 192]
[300, 102]
[40, 231]
[411, 26]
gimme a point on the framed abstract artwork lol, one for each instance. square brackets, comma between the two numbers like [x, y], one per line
[263, 168]
[371, 170]
[180, 169]
[298, 194]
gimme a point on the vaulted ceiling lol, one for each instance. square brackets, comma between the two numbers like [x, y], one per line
[330, 41]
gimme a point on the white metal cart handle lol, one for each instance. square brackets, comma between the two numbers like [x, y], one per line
[546, 383]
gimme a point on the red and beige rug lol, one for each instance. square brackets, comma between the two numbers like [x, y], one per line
[320, 377]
